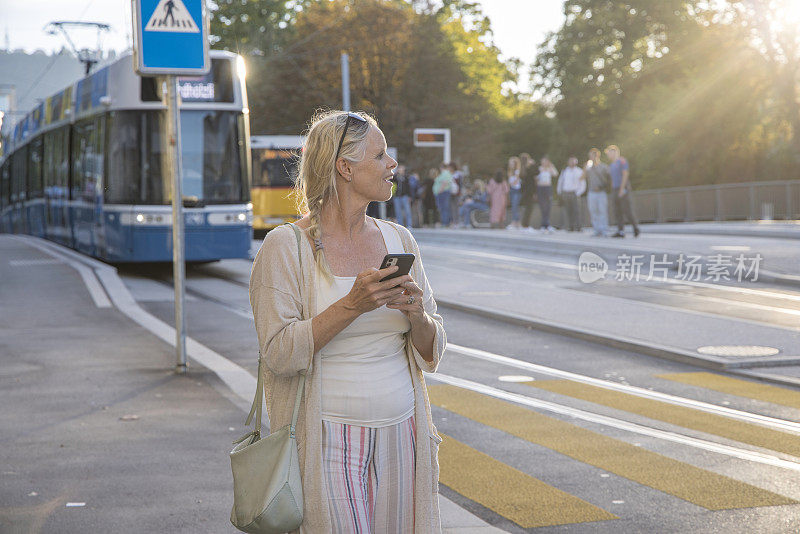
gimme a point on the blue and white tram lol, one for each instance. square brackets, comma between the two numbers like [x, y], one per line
[87, 167]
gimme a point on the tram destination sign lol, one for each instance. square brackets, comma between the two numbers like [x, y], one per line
[171, 37]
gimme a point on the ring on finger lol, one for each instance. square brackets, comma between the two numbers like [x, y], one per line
[411, 299]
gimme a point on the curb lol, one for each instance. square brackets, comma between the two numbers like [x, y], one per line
[739, 367]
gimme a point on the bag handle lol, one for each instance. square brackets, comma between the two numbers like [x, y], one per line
[255, 408]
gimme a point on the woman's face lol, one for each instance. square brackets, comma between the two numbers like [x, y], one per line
[371, 177]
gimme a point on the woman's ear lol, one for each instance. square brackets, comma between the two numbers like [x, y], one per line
[344, 169]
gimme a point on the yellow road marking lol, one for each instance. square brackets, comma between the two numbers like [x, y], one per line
[523, 499]
[741, 388]
[690, 483]
[677, 415]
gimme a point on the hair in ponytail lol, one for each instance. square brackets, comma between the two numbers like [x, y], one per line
[315, 184]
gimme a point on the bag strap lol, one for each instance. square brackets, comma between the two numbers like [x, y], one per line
[255, 408]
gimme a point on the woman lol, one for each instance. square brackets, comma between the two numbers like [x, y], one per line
[544, 188]
[498, 199]
[363, 342]
[515, 190]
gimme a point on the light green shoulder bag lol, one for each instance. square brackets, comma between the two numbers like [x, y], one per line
[267, 489]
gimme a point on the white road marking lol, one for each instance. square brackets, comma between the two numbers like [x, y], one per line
[763, 420]
[726, 450]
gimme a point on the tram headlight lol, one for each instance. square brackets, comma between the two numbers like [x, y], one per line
[249, 206]
[242, 217]
[140, 217]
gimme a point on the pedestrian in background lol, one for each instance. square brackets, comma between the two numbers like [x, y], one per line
[598, 181]
[568, 189]
[429, 199]
[441, 190]
[621, 193]
[514, 190]
[544, 191]
[366, 443]
[475, 200]
[528, 174]
[402, 197]
[497, 189]
[414, 186]
[456, 187]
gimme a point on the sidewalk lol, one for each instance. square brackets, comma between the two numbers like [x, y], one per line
[99, 433]
[776, 229]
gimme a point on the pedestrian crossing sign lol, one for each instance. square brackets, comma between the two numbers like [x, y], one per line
[171, 16]
[171, 37]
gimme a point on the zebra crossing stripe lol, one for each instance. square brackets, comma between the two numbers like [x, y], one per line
[692, 484]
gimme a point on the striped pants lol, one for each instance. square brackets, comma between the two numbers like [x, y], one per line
[369, 475]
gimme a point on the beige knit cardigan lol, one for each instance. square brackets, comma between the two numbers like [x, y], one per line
[282, 296]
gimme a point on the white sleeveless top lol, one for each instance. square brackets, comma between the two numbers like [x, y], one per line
[366, 379]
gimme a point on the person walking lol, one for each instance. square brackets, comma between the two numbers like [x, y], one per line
[528, 173]
[441, 190]
[497, 189]
[598, 180]
[621, 191]
[568, 189]
[402, 197]
[544, 187]
[514, 191]
[366, 442]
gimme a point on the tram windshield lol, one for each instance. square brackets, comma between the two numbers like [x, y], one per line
[273, 168]
[212, 154]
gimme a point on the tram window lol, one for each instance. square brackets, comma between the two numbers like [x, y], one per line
[5, 183]
[212, 162]
[134, 158]
[273, 168]
[35, 168]
[19, 165]
[149, 89]
[87, 159]
[56, 161]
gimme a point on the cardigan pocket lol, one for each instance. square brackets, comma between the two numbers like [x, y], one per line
[435, 441]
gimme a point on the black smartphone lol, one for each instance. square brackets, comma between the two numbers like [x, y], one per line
[403, 262]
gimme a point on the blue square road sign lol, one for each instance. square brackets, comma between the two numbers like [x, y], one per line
[171, 37]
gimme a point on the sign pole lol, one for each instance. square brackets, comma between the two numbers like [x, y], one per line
[178, 266]
[171, 40]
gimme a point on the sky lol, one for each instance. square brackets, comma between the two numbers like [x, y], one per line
[519, 25]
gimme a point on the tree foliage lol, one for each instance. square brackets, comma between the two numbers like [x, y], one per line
[693, 91]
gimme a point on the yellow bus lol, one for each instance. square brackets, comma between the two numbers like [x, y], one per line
[275, 159]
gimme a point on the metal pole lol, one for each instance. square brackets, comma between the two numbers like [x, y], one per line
[446, 154]
[178, 267]
[345, 82]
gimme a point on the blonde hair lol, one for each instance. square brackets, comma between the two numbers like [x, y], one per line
[514, 164]
[315, 185]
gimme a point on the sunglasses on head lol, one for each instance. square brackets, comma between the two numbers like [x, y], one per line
[350, 115]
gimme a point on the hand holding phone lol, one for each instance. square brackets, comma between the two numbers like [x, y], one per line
[402, 261]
